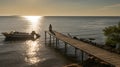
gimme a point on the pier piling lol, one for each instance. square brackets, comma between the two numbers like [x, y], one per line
[45, 38]
[65, 48]
[75, 52]
[56, 43]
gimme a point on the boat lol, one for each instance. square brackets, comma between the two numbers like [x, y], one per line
[14, 35]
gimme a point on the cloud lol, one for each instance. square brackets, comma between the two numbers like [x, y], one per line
[110, 7]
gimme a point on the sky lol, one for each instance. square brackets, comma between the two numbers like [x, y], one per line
[60, 7]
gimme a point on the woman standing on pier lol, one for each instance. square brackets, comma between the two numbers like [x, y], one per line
[50, 27]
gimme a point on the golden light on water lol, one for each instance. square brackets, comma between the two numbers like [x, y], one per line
[33, 19]
[33, 48]
[35, 22]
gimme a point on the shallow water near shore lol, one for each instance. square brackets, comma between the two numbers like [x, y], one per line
[34, 53]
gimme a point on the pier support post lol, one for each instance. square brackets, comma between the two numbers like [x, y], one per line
[82, 56]
[53, 40]
[45, 38]
[75, 52]
[65, 48]
[56, 42]
[50, 40]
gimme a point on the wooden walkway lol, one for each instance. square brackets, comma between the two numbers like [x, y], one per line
[99, 53]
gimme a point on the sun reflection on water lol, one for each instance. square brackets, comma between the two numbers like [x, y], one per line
[33, 47]
[35, 22]
[32, 50]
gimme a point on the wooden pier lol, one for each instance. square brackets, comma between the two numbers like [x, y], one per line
[101, 54]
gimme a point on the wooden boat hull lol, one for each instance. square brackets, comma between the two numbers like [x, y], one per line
[20, 37]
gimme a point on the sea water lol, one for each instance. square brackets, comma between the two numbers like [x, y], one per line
[33, 53]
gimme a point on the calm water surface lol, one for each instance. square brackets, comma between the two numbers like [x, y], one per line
[33, 53]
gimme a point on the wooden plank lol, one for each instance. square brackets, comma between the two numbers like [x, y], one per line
[104, 55]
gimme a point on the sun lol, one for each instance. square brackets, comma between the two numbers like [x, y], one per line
[33, 19]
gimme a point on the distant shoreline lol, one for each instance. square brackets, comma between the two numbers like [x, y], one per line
[59, 16]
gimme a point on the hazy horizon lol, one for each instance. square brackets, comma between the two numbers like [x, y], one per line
[60, 7]
[55, 16]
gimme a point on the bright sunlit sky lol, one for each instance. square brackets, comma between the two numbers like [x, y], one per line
[60, 7]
